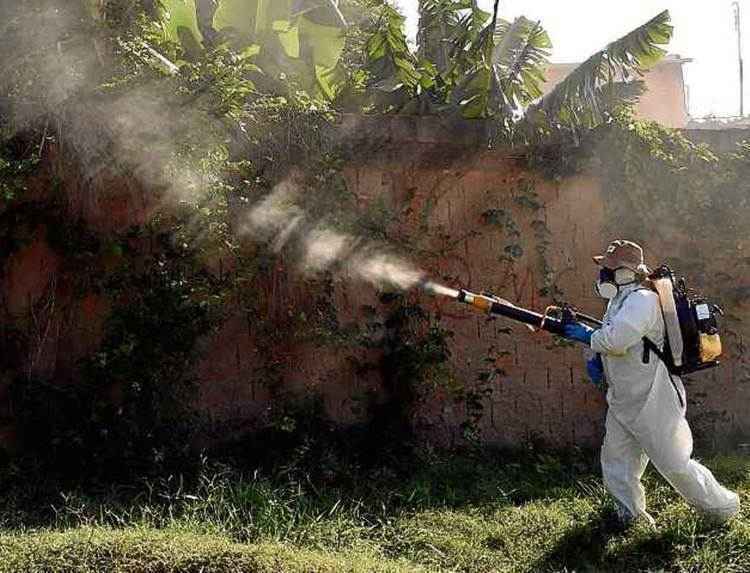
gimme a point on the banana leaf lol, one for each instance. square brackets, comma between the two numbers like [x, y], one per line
[577, 100]
[522, 49]
[180, 24]
[307, 32]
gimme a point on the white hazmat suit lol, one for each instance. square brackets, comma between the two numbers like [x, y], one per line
[646, 417]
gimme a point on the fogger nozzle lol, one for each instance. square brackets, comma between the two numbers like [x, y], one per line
[499, 307]
[476, 300]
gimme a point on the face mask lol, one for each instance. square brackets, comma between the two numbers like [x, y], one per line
[610, 281]
[606, 290]
[624, 276]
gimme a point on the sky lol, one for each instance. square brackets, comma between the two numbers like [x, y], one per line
[704, 31]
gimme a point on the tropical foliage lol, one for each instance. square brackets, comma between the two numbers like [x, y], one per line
[467, 61]
[302, 39]
[475, 64]
[490, 67]
[588, 94]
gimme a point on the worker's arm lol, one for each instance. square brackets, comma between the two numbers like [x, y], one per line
[632, 322]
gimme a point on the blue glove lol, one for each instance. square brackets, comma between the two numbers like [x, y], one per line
[595, 369]
[578, 332]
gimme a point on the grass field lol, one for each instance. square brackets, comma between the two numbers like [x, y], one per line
[473, 513]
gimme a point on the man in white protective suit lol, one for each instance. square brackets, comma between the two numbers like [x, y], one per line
[646, 417]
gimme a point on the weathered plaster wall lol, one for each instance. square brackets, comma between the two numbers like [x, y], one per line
[469, 217]
[723, 140]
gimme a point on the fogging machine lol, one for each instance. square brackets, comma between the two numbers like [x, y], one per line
[554, 319]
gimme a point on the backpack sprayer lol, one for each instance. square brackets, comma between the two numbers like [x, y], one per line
[692, 340]
[691, 322]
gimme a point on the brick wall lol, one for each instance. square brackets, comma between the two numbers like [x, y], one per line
[451, 204]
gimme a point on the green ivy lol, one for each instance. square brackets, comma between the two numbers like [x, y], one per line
[129, 411]
[14, 171]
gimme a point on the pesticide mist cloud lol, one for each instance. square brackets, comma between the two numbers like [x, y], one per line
[279, 220]
[131, 132]
[137, 134]
[439, 289]
[382, 268]
[323, 248]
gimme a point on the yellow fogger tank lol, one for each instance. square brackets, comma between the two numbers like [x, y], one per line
[693, 341]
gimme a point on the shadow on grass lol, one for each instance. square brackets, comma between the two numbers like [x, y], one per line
[588, 547]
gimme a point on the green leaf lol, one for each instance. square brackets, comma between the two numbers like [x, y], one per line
[438, 20]
[520, 56]
[325, 43]
[496, 68]
[303, 39]
[585, 97]
[180, 23]
[321, 12]
[392, 67]
[237, 18]
[250, 51]
[478, 88]
[289, 40]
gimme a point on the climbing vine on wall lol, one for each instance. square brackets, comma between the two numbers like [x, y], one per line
[525, 199]
[657, 178]
[662, 189]
[128, 410]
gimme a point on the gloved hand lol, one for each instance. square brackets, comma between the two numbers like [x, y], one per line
[595, 369]
[578, 332]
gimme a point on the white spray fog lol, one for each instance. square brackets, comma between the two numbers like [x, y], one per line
[60, 66]
[279, 220]
[439, 289]
[133, 135]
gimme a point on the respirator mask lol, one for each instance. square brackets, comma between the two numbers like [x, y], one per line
[610, 281]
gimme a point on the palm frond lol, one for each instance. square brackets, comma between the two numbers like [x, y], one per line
[437, 22]
[506, 70]
[576, 101]
[394, 74]
[472, 79]
[522, 49]
[477, 93]
[610, 98]
[464, 37]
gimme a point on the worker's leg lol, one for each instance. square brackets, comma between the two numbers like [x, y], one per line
[623, 463]
[670, 451]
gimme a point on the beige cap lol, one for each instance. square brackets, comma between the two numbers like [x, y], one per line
[622, 254]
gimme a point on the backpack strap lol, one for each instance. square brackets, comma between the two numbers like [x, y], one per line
[649, 346]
